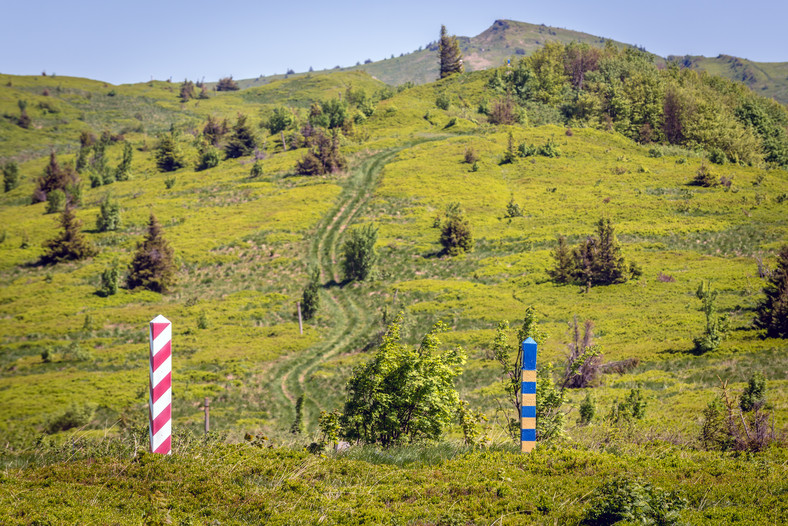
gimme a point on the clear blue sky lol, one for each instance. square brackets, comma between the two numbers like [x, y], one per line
[121, 42]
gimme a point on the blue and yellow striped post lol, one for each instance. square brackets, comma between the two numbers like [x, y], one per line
[528, 397]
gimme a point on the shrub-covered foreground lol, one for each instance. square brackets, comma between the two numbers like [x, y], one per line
[216, 483]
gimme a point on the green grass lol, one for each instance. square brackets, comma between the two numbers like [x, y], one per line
[243, 246]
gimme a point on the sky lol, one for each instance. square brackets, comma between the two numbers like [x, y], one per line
[127, 42]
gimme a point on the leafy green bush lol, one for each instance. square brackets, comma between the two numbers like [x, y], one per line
[443, 101]
[587, 410]
[403, 394]
[310, 300]
[56, 200]
[635, 502]
[280, 120]
[110, 280]
[209, 157]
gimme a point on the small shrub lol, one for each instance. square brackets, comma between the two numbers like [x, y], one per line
[168, 153]
[754, 395]
[69, 244]
[509, 156]
[717, 156]
[257, 169]
[10, 176]
[227, 84]
[169, 182]
[470, 156]
[705, 177]
[513, 209]
[74, 416]
[634, 502]
[665, 278]
[549, 149]
[109, 215]
[716, 325]
[110, 279]
[443, 101]
[202, 320]
[456, 236]
[310, 299]
[526, 150]
[358, 253]
[209, 157]
[633, 407]
[587, 410]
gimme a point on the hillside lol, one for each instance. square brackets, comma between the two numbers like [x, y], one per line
[73, 358]
[508, 39]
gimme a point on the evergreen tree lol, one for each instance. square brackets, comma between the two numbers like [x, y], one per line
[772, 312]
[242, 142]
[168, 153]
[608, 265]
[214, 131]
[450, 56]
[123, 172]
[10, 175]
[56, 177]
[153, 267]
[716, 325]
[70, 244]
[310, 300]
[563, 271]
[456, 236]
[358, 253]
[109, 215]
[187, 91]
[324, 157]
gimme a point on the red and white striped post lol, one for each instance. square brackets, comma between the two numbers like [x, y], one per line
[160, 385]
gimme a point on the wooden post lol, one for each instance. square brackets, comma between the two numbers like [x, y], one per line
[207, 417]
[528, 397]
[300, 323]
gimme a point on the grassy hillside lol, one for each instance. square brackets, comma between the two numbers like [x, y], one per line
[244, 246]
[510, 39]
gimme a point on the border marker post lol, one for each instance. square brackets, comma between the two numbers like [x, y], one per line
[160, 385]
[528, 397]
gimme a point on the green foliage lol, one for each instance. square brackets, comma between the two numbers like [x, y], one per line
[70, 244]
[509, 156]
[403, 394]
[513, 209]
[584, 358]
[242, 140]
[714, 433]
[358, 253]
[550, 419]
[323, 157]
[564, 269]
[152, 267]
[209, 157]
[10, 175]
[716, 325]
[281, 119]
[772, 311]
[110, 280]
[56, 177]
[587, 410]
[169, 156]
[505, 110]
[187, 91]
[76, 415]
[705, 177]
[634, 502]
[329, 113]
[214, 131]
[202, 320]
[329, 424]
[56, 201]
[310, 299]
[443, 101]
[456, 237]
[108, 218]
[470, 156]
[123, 171]
[754, 395]
[633, 407]
[450, 56]
[257, 169]
[470, 421]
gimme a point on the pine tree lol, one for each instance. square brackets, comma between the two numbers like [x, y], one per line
[609, 266]
[450, 56]
[456, 236]
[123, 172]
[772, 312]
[153, 267]
[10, 175]
[564, 264]
[70, 244]
[55, 177]
[359, 253]
[310, 300]
[242, 142]
[168, 153]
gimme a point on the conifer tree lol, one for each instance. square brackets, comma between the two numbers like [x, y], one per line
[168, 153]
[123, 172]
[70, 244]
[55, 177]
[772, 312]
[450, 56]
[242, 142]
[153, 267]
[310, 300]
[10, 175]
[564, 264]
